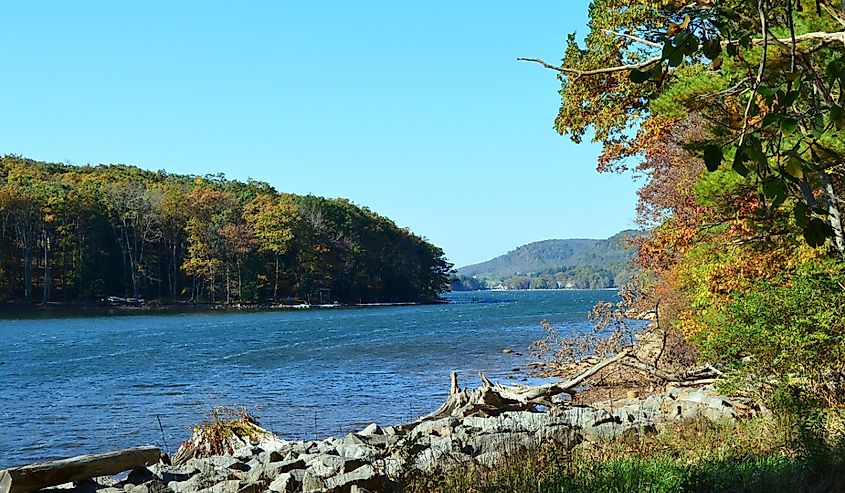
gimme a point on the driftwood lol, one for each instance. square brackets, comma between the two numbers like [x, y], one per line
[689, 377]
[493, 399]
[37, 476]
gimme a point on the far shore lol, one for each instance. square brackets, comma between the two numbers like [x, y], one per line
[99, 307]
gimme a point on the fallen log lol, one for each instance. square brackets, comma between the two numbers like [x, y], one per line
[493, 399]
[690, 376]
[34, 477]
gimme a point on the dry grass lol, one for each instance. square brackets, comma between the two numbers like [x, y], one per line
[759, 455]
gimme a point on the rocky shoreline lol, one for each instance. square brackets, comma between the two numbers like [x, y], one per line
[246, 458]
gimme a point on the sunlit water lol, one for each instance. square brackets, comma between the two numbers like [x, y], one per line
[96, 383]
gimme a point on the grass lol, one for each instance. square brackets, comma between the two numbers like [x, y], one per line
[760, 455]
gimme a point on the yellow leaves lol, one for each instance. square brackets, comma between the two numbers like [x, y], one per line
[676, 28]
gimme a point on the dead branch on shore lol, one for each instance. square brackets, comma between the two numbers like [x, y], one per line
[493, 399]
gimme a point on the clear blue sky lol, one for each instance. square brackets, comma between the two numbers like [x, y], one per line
[418, 110]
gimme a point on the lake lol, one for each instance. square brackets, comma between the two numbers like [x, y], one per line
[88, 384]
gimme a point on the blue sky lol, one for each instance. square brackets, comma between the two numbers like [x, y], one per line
[418, 110]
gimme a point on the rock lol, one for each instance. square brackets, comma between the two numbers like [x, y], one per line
[244, 454]
[352, 439]
[284, 483]
[362, 477]
[203, 480]
[438, 427]
[289, 465]
[357, 452]
[390, 430]
[324, 466]
[371, 429]
[240, 466]
[173, 473]
[217, 461]
[153, 486]
[230, 486]
[312, 483]
[140, 475]
[507, 351]
[276, 456]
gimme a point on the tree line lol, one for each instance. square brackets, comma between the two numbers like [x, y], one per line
[78, 233]
[567, 277]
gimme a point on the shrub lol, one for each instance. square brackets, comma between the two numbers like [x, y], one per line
[787, 332]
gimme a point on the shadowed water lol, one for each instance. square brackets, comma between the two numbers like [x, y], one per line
[96, 383]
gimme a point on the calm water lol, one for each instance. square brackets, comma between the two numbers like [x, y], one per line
[91, 384]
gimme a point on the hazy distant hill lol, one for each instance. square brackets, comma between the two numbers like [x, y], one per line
[558, 263]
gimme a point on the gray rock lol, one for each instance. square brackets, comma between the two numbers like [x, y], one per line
[214, 462]
[229, 486]
[324, 466]
[357, 452]
[173, 473]
[153, 486]
[284, 483]
[439, 427]
[363, 477]
[352, 439]
[203, 480]
[312, 483]
[245, 454]
[140, 475]
[371, 429]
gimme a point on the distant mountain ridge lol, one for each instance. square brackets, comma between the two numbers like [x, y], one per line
[560, 262]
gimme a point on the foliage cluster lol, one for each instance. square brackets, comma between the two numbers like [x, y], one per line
[733, 112]
[81, 233]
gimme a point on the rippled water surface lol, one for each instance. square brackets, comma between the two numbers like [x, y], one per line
[96, 383]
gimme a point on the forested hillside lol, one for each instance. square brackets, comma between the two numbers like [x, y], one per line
[550, 264]
[734, 113]
[71, 233]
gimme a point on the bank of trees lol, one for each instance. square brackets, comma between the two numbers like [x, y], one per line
[733, 110]
[71, 233]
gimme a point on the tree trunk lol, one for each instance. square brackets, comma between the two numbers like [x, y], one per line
[27, 272]
[276, 285]
[228, 286]
[834, 214]
[38, 476]
[240, 284]
[47, 280]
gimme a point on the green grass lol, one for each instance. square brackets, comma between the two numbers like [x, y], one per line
[760, 455]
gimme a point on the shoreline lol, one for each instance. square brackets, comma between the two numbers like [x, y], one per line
[8, 310]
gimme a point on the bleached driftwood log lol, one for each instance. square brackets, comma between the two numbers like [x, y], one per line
[34, 477]
[493, 399]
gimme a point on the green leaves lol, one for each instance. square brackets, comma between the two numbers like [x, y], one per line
[817, 231]
[788, 125]
[712, 48]
[801, 214]
[639, 76]
[713, 157]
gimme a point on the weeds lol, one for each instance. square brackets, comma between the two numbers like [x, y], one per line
[759, 455]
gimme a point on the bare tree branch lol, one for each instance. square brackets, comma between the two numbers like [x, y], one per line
[635, 38]
[840, 18]
[580, 73]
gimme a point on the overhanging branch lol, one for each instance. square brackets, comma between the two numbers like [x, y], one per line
[580, 73]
